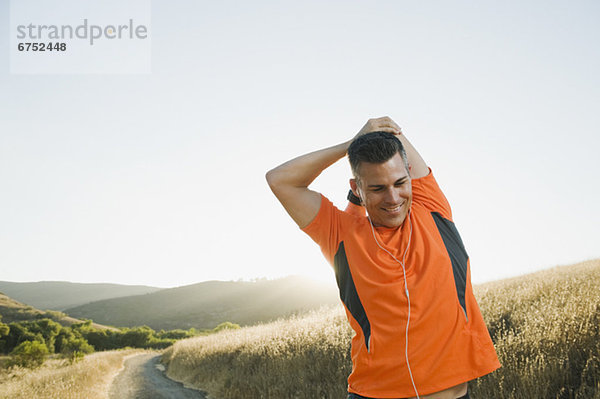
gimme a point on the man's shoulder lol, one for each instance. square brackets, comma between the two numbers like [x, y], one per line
[330, 216]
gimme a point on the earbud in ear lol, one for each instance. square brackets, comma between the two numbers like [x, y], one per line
[355, 194]
[360, 200]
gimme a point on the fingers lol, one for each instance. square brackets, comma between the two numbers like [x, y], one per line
[382, 124]
[387, 129]
[385, 124]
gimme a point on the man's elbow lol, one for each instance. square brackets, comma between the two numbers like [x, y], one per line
[273, 179]
[282, 180]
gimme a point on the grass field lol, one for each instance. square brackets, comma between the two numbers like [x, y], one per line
[545, 327]
[88, 378]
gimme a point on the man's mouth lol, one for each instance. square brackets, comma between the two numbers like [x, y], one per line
[393, 209]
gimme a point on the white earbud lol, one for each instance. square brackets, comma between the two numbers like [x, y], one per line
[358, 192]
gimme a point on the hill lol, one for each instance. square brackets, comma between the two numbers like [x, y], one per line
[205, 305]
[60, 295]
[545, 327]
[14, 311]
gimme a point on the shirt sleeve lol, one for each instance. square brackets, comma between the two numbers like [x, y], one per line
[324, 229]
[356, 210]
[428, 194]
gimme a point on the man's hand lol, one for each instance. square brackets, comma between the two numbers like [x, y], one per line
[416, 165]
[383, 124]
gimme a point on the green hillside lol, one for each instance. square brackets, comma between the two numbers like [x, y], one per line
[60, 295]
[207, 304]
[29, 336]
[14, 311]
[545, 327]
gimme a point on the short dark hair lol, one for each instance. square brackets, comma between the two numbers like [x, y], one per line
[375, 147]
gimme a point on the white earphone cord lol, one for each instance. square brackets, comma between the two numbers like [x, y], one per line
[405, 290]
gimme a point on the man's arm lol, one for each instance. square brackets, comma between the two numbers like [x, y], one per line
[418, 167]
[289, 182]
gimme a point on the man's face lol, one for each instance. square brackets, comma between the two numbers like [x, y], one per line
[385, 190]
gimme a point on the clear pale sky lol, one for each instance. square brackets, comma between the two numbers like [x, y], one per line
[158, 178]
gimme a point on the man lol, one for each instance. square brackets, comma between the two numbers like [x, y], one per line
[402, 270]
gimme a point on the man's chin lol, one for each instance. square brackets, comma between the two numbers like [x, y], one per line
[390, 223]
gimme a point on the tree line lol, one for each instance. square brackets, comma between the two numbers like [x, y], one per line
[30, 342]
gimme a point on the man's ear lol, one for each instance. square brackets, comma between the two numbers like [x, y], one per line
[354, 187]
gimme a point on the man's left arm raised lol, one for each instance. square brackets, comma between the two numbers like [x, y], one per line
[290, 180]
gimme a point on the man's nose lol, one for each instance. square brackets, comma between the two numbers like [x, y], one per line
[392, 195]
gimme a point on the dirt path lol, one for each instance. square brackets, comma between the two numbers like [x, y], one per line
[144, 378]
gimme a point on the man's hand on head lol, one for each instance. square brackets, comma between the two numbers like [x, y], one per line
[416, 165]
[383, 124]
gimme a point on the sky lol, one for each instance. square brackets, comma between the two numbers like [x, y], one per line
[157, 177]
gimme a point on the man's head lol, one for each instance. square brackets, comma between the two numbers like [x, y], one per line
[381, 177]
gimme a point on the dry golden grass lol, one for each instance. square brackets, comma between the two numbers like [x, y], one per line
[89, 378]
[544, 325]
[299, 357]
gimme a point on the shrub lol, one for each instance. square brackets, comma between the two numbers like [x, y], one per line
[68, 342]
[226, 326]
[175, 334]
[29, 354]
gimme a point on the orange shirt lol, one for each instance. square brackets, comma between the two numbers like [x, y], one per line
[448, 340]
